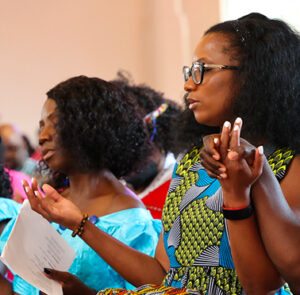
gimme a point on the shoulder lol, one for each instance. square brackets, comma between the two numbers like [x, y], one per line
[8, 208]
[290, 185]
[126, 200]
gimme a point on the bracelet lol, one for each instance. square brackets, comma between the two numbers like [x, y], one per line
[79, 231]
[3, 268]
[238, 213]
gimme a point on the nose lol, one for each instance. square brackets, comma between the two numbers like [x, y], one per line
[189, 85]
[45, 135]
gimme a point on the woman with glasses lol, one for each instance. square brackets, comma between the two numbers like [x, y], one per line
[269, 184]
[211, 242]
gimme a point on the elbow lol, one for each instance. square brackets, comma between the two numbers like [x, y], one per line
[265, 287]
[261, 291]
[290, 270]
[295, 288]
[292, 274]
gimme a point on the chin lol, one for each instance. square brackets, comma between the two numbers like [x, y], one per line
[51, 164]
[202, 120]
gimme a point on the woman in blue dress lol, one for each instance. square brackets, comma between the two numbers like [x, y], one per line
[91, 131]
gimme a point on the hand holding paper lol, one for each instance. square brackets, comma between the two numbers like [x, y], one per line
[55, 207]
[34, 245]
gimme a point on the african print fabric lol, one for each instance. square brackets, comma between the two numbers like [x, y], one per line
[149, 290]
[195, 231]
[280, 161]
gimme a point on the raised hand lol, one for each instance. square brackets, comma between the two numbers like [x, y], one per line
[240, 174]
[53, 206]
[211, 154]
[71, 284]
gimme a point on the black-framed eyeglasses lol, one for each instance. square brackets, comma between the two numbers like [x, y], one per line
[198, 68]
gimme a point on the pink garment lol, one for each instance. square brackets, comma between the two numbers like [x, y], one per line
[36, 155]
[16, 184]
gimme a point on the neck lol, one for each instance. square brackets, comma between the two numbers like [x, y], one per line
[86, 187]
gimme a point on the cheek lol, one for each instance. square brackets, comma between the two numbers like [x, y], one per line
[224, 93]
[217, 101]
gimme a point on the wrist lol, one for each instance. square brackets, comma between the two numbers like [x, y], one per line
[236, 199]
[75, 221]
[238, 213]
[79, 229]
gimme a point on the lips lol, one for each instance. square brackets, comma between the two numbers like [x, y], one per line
[47, 154]
[192, 103]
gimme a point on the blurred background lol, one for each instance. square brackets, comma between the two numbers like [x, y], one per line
[45, 42]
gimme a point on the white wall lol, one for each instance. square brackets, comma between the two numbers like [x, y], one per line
[45, 42]
[288, 10]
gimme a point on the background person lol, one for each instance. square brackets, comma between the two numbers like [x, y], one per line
[152, 176]
[16, 156]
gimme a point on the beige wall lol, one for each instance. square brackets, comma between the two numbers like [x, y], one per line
[45, 42]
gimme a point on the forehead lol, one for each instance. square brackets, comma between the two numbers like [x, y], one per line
[49, 108]
[213, 48]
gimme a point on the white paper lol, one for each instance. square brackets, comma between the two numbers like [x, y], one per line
[33, 245]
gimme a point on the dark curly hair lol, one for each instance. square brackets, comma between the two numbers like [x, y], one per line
[149, 100]
[6, 190]
[98, 125]
[268, 99]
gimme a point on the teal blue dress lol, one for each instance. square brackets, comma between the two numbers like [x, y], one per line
[134, 227]
[8, 209]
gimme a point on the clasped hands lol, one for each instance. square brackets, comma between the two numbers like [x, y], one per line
[233, 161]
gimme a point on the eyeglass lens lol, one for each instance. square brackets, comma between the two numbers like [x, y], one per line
[197, 73]
[186, 73]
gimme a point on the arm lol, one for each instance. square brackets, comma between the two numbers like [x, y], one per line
[277, 208]
[256, 273]
[136, 267]
[72, 285]
[279, 225]
[5, 286]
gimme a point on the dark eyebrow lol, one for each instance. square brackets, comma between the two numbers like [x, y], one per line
[50, 117]
[202, 59]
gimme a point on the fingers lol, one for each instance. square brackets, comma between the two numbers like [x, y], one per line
[258, 161]
[71, 284]
[242, 152]
[211, 144]
[60, 276]
[34, 184]
[235, 135]
[34, 197]
[213, 168]
[30, 195]
[225, 137]
[51, 192]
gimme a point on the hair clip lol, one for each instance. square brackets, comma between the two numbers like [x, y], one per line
[242, 36]
[156, 113]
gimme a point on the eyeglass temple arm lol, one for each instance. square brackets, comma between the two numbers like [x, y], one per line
[220, 67]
